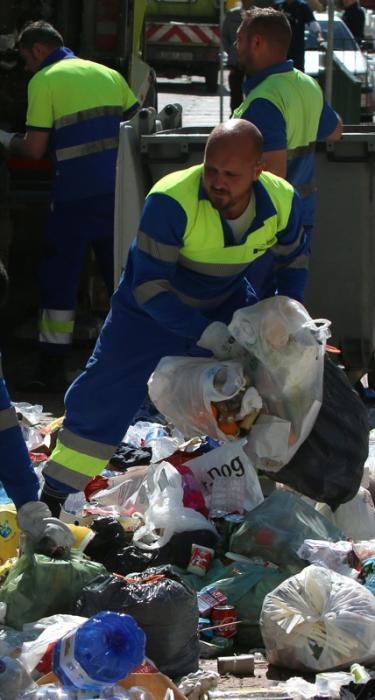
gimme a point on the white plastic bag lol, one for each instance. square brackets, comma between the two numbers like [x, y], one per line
[166, 514]
[51, 629]
[228, 479]
[319, 620]
[286, 363]
[332, 555]
[356, 518]
[182, 388]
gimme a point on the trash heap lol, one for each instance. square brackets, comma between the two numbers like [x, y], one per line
[236, 522]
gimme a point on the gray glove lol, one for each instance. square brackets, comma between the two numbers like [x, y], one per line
[6, 137]
[218, 339]
[34, 519]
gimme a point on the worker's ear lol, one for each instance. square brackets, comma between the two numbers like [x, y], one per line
[258, 168]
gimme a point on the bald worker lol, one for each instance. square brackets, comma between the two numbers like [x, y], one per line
[200, 230]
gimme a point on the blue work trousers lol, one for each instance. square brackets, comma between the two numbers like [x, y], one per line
[73, 228]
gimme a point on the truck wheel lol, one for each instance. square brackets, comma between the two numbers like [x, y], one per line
[212, 72]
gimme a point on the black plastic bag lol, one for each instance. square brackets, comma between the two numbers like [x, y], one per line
[328, 466]
[124, 560]
[164, 606]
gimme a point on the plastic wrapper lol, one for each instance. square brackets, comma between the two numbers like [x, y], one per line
[286, 361]
[319, 620]
[30, 419]
[162, 439]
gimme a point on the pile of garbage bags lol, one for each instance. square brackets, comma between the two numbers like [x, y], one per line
[238, 517]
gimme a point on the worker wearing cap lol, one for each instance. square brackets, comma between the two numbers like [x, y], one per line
[289, 109]
[75, 108]
[201, 230]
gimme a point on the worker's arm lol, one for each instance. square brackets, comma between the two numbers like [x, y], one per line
[330, 124]
[291, 254]
[337, 133]
[32, 145]
[154, 256]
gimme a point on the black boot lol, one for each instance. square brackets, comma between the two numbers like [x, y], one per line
[49, 375]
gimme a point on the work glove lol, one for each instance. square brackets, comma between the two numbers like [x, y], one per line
[218, 339]
[6, 137]
[43, 532]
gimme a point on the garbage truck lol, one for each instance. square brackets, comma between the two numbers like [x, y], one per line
[183, 38]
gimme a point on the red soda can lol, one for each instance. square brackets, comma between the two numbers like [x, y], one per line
[224, 615]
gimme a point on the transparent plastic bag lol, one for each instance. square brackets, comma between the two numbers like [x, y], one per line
[166, 514]
[182, 388]
[319, 620]
[286, 362]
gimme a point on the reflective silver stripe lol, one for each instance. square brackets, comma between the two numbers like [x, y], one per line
[86, 114]
[146, 291]
[281, 250]
[305, 190]
[55, 337]
[87, 447]
[66, 476]
[8, 418]
[160, 251]
[301, 151]
[300, 263]
[215, 269]
[86, 149]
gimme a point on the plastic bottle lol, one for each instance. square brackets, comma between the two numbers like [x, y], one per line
[56, 692]
[14, 679]
[100, 652]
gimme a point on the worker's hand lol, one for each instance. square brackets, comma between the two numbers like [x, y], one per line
[6, 137]
[43, 531]
[217, 338]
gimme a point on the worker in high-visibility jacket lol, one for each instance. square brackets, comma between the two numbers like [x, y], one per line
[200, 231]
[75, 108]
[288, 108]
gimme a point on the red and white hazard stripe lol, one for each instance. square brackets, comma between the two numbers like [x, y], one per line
[178, 33]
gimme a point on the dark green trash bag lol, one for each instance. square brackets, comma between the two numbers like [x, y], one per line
[38, 586]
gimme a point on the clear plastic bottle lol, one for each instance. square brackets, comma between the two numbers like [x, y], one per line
[14, 679]
[56, 692]
[100, 652]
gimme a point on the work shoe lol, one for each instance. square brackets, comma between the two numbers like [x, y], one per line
[49, 375]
